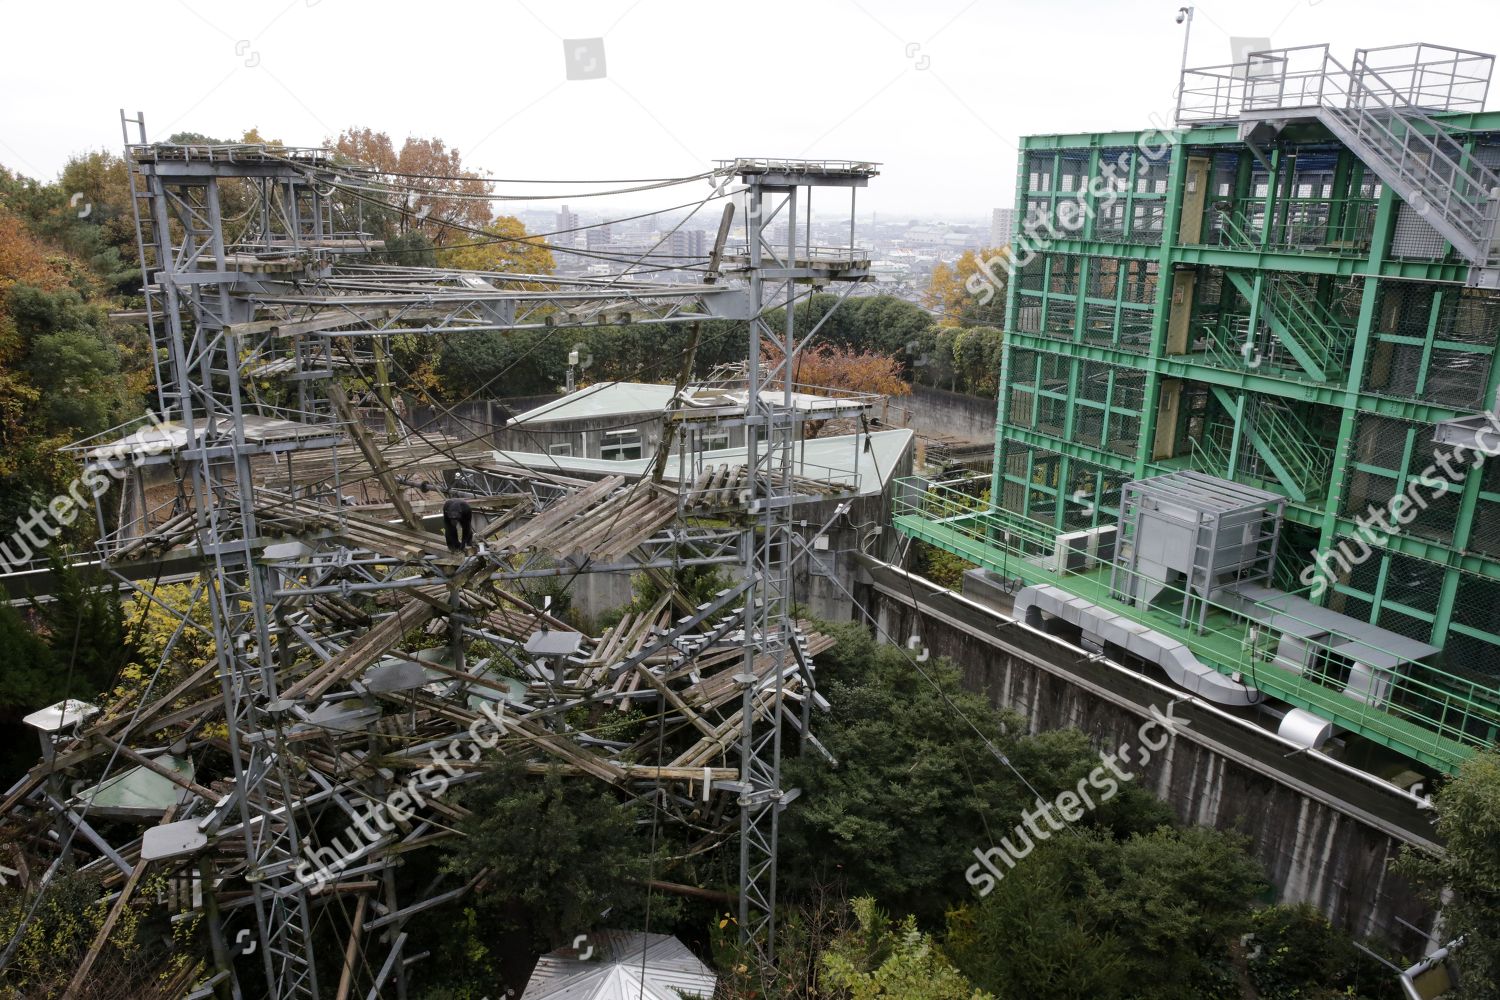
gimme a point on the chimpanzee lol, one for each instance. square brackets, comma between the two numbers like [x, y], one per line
[458, 519]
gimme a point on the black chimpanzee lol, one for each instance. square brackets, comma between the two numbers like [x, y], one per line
[458, 519]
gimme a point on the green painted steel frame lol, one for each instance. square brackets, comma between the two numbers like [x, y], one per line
[1344, 392]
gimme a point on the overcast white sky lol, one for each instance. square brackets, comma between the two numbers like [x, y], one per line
[936, 90]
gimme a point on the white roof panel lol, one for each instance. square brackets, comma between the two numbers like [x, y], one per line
[630, 966]
[838, 454]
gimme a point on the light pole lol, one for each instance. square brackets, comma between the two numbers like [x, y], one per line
[1184, 16]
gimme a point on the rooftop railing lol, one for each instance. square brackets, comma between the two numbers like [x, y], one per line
[1418, 75]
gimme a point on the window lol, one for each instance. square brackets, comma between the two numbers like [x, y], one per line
[713, 441]
[620, 446]
[565, 448]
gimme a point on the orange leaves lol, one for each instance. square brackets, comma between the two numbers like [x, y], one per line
[427, 169]
[24, 260]
[949, 292]
[845, 368]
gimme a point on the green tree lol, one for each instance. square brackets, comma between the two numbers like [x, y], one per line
[976, 359]
[506, 246]
[1465, 878]
[916, 790]
[77, 372]
[30, 678]
[1151, 917]
[560, 852]
[898, 961]
[1296, 954]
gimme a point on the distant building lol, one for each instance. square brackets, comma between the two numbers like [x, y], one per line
[1002, 225]
[687, 244]
[566, 219]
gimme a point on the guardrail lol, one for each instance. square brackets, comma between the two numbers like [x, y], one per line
[1448, 711]
[1419, 75]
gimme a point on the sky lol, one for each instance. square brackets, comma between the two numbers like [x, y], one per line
[937, 91]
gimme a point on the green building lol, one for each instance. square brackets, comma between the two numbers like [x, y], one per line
[1229, 342]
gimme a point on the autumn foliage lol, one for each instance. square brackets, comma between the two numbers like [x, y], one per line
[956, 303]
[836, 367]
[443, 192]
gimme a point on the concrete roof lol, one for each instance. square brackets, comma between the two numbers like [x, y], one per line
[836, 453]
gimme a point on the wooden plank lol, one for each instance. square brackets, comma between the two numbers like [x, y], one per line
[372, 454]
[108, 927]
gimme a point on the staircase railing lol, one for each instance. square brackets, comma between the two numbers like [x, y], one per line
[1411, 152]
[1301, 460]
[1307, 319]
[1416, 156]
[1211, 457]
[1235, 230]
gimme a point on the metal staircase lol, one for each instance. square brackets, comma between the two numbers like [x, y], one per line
[1282, 451]
[1311, 334]
[1381, 107]
[1425, 164]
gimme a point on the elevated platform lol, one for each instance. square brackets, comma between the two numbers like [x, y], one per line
[1427, 713]
[158, 443]
[779, 172]
[811, 263]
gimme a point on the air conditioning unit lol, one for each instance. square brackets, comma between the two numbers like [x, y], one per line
[1080, 551]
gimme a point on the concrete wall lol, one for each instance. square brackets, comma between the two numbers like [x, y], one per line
[1323, 832]
[475, 418]
[953, 414]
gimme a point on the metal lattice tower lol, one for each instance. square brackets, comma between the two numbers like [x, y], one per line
[776, 189]
[254, 319]
[182, 237]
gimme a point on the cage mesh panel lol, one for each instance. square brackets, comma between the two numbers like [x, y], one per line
[1475, 659]
[1059, 320]
[1104, 277]
[1457, 378]
[1146, 221]
[1034, 273]
[1413, 582]
[1088, 425]
[1484, 531]
[1470, 317]
[1476, 603]
[1064, 273]
[1022, 408]
[1364, 490]
[1139, 286]
[1348, 604]
[1403, 624]
[1439, 519]
[1073, 171]
[1039, 171]
[1099, 325]
[1380, 441]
